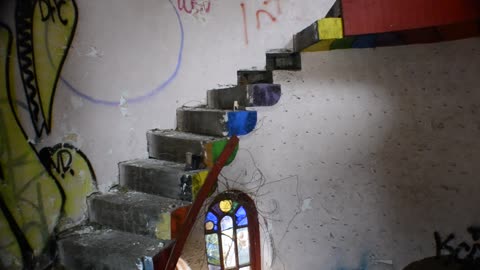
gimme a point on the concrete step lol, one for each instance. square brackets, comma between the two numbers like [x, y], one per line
[254, 76]
[215, 122]
[105, 249]
[283, 60]
[320, 35]
[136, 212]
[161, 177]
[306, 38]
[250, 95]
[172, 145]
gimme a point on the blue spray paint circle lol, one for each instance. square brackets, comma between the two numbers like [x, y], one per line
[149, 94]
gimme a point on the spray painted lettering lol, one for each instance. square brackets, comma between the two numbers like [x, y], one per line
[264, 12]
[450, 256]
[464, 252]
[195, 6]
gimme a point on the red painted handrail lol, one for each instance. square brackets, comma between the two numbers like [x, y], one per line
[195, 208]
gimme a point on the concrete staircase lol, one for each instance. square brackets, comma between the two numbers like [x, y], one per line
[127, 228]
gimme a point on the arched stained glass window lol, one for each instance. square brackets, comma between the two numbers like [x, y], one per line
[232, 233]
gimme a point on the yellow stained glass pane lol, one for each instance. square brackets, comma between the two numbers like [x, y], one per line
[226, 206]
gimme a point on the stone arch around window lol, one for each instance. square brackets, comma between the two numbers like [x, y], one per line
[232, 234]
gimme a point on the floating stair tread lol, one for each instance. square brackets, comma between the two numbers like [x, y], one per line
[175, 134]
[172, 145]
[141, 201]
[254, 76]
[215, 122]
[319, 35]
[246, 95]
[107, 249]
[157, 177]
[280, 51]
[283, 59]
[204, 109]
[154, 164]
[135, 212]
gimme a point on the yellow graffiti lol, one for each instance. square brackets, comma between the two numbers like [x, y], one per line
[53, 28]
[10, 254]
[74, 173]
[26, 183]
[41, 191]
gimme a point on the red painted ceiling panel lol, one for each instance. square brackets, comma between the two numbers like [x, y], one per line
[379, 16]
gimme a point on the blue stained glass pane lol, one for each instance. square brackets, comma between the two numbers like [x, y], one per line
[241, 216]
[211, 217]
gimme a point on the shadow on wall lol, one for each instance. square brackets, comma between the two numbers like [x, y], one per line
[428, 162]
[424, 165]
[425, 170]
[386, 145]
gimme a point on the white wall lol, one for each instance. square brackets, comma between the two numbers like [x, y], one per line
[125, 48]
[366, 155]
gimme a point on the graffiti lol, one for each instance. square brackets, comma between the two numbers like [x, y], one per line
[463, 252]
[245, 25]
[45, 30]
[43, 191]
[195, 6]
[259, 14]
[450, 256]
[262, 11]
[141, 98]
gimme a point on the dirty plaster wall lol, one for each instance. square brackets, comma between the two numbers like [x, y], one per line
[366, 155]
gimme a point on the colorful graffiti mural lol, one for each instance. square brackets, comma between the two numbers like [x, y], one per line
[43, 191]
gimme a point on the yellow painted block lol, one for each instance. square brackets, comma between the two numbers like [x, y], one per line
[163, 228]
[330, 28]
[198, 180]
[323, 45]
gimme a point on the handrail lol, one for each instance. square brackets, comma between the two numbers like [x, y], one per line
[195, 208]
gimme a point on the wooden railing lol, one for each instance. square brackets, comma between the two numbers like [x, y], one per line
[168, 259]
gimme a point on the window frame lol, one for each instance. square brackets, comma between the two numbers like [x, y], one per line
[253, 227]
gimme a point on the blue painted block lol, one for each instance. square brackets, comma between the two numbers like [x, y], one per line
[264, 94]
[241, 122]
[365, 41]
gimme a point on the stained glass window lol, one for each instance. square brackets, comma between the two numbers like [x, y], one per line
[229, 225]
